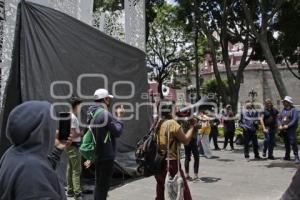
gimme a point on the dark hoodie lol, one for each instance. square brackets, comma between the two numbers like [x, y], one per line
[25, 170]
[105, 150]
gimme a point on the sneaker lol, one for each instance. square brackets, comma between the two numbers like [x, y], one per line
[297, 160]
[196, 178]
[264, 154]
[248, 159]
[189, 178]
[70, 194]
[271, 158]
[287, 158]
[217, 149]
[257, 158]
[78, 196]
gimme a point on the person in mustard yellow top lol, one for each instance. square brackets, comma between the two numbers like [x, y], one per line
[168, 125]
[204, 134]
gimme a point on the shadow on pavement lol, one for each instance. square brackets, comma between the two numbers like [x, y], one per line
[282, 164]
[210, 179]
[225, 160]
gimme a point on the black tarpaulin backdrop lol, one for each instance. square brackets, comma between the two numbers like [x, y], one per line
[52, 46]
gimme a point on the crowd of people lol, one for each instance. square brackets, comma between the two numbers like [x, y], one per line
[197, 138]
[35, 147]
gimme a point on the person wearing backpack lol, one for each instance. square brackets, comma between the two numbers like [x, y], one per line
[288, 123]
[105, 128]
[170, 136]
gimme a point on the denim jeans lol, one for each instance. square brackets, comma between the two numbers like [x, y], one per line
[290, 139]
[269, 141]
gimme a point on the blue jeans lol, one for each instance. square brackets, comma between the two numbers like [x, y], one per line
[269, 141]
[290, 139]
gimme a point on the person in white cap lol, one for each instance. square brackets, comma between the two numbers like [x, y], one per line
[106, 129]
[288, 123]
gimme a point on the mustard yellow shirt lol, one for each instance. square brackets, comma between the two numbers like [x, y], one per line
[174, 127]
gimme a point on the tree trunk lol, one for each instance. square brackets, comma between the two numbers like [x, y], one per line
[263, 41]
[159, 89]
[197, 65]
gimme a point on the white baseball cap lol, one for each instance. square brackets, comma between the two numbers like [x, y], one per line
[101, 94]
[288, 99]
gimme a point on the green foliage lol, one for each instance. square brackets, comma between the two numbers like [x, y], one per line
[288, 24]
[168, 48]
[109, 5]
[211, 86]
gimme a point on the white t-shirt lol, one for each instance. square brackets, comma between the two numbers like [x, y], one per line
[75, 125]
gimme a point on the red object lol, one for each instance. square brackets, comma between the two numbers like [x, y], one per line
[160, 187]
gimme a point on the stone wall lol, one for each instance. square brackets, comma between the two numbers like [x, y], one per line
[261, 80]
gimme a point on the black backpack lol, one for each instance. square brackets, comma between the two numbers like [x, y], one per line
[150, 161]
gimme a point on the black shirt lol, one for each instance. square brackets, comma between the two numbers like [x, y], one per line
[270, 117]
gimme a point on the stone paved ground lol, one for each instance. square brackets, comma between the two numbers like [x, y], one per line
[227, 177]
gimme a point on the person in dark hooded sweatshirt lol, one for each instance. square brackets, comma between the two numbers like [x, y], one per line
[106, 129]
[293, 192]
[27, 168]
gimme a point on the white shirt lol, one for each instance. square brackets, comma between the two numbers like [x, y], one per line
[75, 125]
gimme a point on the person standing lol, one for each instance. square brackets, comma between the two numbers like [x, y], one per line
[249, 124]
[269, 124]
[204, 133]
[28, 167]
[214, 132]
[106, 129]
[229, 127]
[288, 123]
[74, 156]
[191, 148]
[177, 136]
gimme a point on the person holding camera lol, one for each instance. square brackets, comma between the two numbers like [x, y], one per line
[249, 123]
[288, 124]
[166, 125]
[28, 167]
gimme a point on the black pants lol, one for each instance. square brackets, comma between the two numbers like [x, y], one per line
[229, 135]
[189, 149]
[104, 171]
[250, 136]
[290, 139]
[214, 135]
